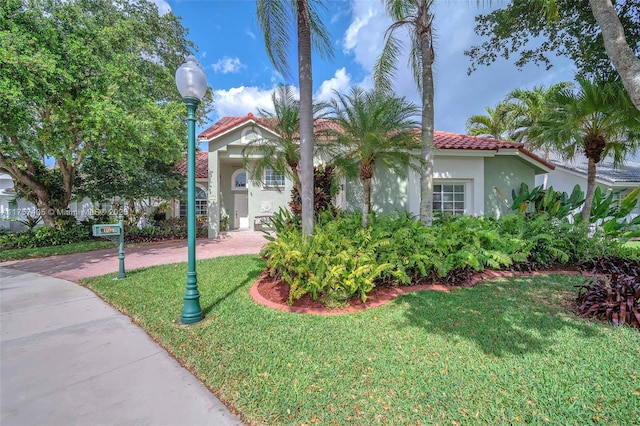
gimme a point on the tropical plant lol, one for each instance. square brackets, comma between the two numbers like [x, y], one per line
[599, 119]
[615, 299]
[30, 221]
[417, 15]
[539, 200]
[275, 18]
[324, 191]
[281, 153]
[493, 124]
[375, 128]
[525, 108]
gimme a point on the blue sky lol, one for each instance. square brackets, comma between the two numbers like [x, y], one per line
[230, 48]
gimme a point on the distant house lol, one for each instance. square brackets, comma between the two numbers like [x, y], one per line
[13, 209]
[567, 174]
[467, 172]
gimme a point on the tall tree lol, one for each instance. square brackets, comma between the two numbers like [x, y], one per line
[276, 18]
[597, 118]
[81, 77]
[375, 128]
[493, 124]
[103, 177]
[417, 15]
[531, 30]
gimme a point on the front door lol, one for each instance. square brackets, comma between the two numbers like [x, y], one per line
[241, 213]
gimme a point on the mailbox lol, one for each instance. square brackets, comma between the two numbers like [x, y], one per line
[106, 230]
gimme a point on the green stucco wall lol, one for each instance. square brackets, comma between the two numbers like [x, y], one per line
[506, 174]
[388, 192]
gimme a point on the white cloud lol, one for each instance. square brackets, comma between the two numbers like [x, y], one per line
[250, 33]
[239, 101]
[340, 82]
[363, 38]
[457, 95]
[203, 55]
[228, 65]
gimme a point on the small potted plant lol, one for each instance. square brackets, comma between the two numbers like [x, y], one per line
[224, 221]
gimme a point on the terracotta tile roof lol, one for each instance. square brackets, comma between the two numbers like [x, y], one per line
[227, 123]
[202, 165]
[447, 140]
[442, 140]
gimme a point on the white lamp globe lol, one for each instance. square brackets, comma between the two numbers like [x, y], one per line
[191, 80]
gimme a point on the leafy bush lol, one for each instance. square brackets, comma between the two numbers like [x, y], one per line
[169, 229]
[325, 267]
[342, 259]
[325, 190]
[615, 299]
[45, 236]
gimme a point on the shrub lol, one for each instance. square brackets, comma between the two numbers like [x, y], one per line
[327, 267]
[342, 259]
[615, 299]
[170, 229]
[45, 236]
[325, 190]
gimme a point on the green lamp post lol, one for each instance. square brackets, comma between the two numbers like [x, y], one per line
[192, 85]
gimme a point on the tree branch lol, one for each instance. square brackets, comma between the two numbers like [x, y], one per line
[624, 60]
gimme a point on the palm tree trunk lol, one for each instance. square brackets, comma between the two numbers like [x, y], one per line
[306, 116]
[591, 187]
[426, 172]
[366, 201]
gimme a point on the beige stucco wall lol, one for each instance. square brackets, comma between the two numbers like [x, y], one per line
[225, 157]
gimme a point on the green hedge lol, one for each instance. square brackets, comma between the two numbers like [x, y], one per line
[46, 236]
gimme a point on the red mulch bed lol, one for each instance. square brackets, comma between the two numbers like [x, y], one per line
[275, 293]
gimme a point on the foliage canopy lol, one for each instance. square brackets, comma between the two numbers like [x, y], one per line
[84, 77]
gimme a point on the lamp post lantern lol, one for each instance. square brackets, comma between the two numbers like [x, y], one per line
[192, 85]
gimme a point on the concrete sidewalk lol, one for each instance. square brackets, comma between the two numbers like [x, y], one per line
[68, 358]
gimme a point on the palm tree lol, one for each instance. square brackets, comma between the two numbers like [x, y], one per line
[375, 128]
[598, 118]
[525, 108]
[282, 153]
[417, 15]
[494, 124]
[276, 18]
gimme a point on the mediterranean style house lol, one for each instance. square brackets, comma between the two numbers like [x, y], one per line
[469, 173]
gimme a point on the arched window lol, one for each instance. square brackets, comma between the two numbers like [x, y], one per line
[239, 180]
[201, 203]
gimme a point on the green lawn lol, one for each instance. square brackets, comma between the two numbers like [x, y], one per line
[503, 352]
[29, 253]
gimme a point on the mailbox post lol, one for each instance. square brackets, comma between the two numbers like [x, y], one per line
[110, 231]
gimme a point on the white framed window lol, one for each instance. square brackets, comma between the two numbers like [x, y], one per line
[239, 180]
[273, 177]
[450, 197]
[201, 203]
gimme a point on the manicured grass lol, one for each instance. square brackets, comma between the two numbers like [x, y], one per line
[634, 244]
[17, 254]
[503, 352]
